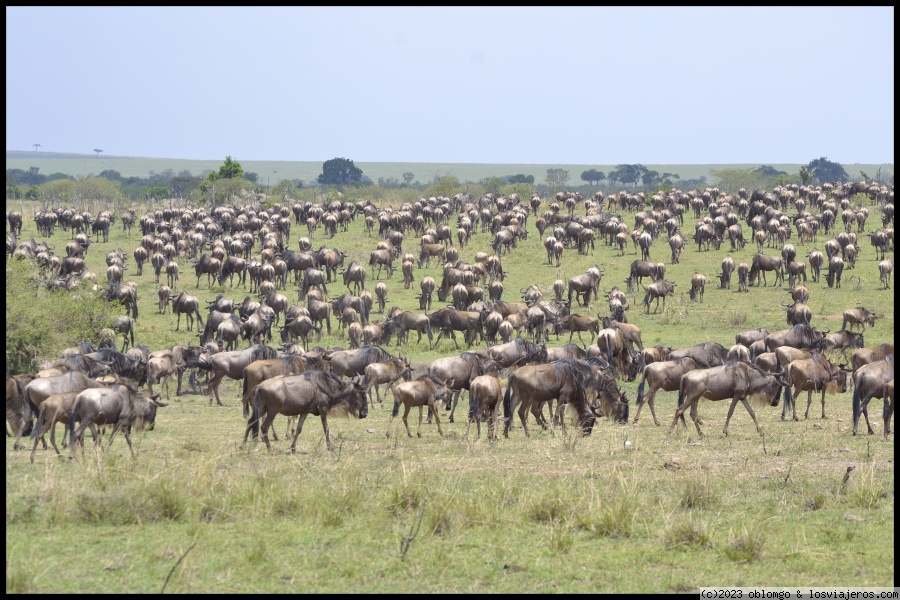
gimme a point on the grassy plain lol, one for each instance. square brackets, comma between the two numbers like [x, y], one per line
[628, 509]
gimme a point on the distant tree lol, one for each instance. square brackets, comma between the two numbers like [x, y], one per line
[230, 169]
[444, 186]
[493, 184]
[769, 171]
[592, 175]
[651, 178]
[826, 171]
[36, 146]
[408, 177]
[251, 176]
[110, 174]
[98, 151]
[520, 178]
[339, 171]
[157, 192]
[864, 175]
[556, 179]
[182, 183]
[805, 176]
[628, 174]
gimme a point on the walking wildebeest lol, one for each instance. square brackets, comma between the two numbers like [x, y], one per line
[762, 263]
[798, 336]
[813, 374]
[425, 390]
[385, 372]
[402, 321]
[656, 290]
[567, 382]
[735, 380]
[351, 363]
[55, 409]
[485, 397]
[665, 376]
[869, 382]
[260, 370]
[188, 305]
[458, 371]
[517, 352]
[229, 364]
[38, 390]
[708, 354]
[121, 405]
[864, 356]
[311, 392]
[858, 316]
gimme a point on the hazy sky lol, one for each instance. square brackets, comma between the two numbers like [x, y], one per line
[564, 85]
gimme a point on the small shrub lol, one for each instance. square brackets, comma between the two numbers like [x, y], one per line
[547, 509]
[697, 494]
[562, 538]
[689, 533]
[745, 548]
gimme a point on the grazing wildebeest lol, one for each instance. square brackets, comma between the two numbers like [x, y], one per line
[864, 356]
[869, 382]
[799, 293]
[300, 327]
[385, 372]
[746, 338]
[124, 326]
[841, 340]
[229, 364]
[311, 392]
[384, 259]
[640, 269]
[796, 272]
[312, 277]
[458, 372]
[743, 271]
[566, 381]
[578, 323]
[813, 374]
[665, 376]
[267, 368]
[450, 320]
[425, 390]
[351, 363]
[583, 286]
[656, 290]
[485, 397]
[188, 305]
[735, 380]
[381, 292]
[858, 316]
[230, 331]
[354, 274]
[127, 295]
[121, 405]
[798, 336]
[835, 268]
[623, 359]
[698, 286]
[630, 331]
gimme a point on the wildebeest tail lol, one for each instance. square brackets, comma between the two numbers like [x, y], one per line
[254, 415]
[26, 394]
[681, 392]
[856, 404]
[640, 390]
[396, 409]
[71, 426]
[199, 362]
[888, 409]
[507, 403]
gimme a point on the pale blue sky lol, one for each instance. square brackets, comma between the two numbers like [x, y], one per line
[563, 85]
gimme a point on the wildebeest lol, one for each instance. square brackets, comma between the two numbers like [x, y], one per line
[188, 305]
[623, 359]
[812, 374]
[485, 397]
[585, 285]
[383, 259]
[798, 336]
[743, 272]
[260, 370]
[656, 290]
[19, 412]
[229, 364]
[746, 338]
[425, 390]
[735, 380]
[835, 268]
[698, 286]
[458, 372]
[127, 295]
[402, 321]
[738, 352]
[858, 316]
[885, 268]
[707, 354]
[311, 392]
[121, 405]
[55, 409]
[351, 363]
[665, 376]
[841, 340]
[579, 323]
[869, 382]
[385, 372]
[124, 326]
[567, 381]
[727, 270]
[517, 352]
[864, 356]
[762, 263]
[798, 313]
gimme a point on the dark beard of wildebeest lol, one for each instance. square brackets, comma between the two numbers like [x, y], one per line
[665, 376]
[120, 405]
[38, 390]
[566, 381]
[815, 373]
[229, 364]
[869, 381]
[458, 373]
[311, 392]
[735, 380]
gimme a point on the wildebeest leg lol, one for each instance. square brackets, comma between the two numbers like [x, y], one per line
[493, 422]
[794, 397]
[523, 416]
[213, 388]
[434, 409]
[267, 423]
[679, 412]
[406, 409]
[749, 410]
[300, 420]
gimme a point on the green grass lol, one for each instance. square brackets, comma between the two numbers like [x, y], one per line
[195, 512]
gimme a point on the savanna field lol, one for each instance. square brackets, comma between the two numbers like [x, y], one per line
[627, 509]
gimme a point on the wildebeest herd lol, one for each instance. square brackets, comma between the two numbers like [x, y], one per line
[507, 366]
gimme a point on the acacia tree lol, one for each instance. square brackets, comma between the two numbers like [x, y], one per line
[592, 175]
[408, 177]
[339, 171]
[557, 178]
[98, 151]
[823, 170]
